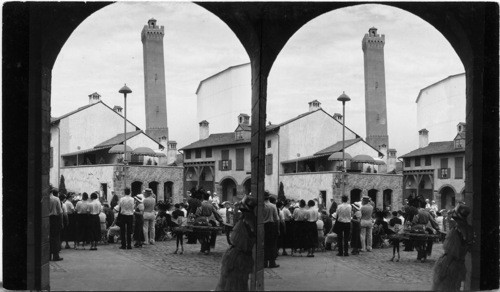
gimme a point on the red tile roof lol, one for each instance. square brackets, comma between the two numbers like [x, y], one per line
[435, 148]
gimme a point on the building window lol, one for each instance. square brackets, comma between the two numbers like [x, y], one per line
[444, 162]
[417, 161]
[240, 159]
[269, 164]
[225, 163]
[197, 153]
[208, 152]
[407, 162]
[444, 173]
[427, 160]
[187, 154]
[51, 156]
[459, 167]
[268, 143]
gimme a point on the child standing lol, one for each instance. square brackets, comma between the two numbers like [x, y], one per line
[180, 220]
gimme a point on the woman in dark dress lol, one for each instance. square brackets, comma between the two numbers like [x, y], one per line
[82, 221]
[194, 202]
[356, 228]
[139, 221]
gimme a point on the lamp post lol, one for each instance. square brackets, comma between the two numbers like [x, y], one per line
[125, 90]
[343, 98]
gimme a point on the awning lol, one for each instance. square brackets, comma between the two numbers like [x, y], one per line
[312, 157]
[84, 151]
[119, 149]
[145, 151]
[363, 158]
[337, 156]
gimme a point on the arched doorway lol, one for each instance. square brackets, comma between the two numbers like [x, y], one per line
[355, 195]
[373, 195]
[387, 199]
[154, 187]
[248, 186]
[167, 190]
[447, 198]
[228, 187]
[136, 188]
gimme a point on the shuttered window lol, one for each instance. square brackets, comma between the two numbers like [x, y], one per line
[225, 155]
[427, 160]
[240, 159]
[407, 162]
[188, 154]
[208, 152]
[459, 167]
[269, 164]
[444, 162]
[417, 161]
[197, 153]
[225, 163]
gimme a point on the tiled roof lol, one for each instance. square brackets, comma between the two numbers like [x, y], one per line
[244, 127]
[117, 139]
[337, 146]
[217, 140]
[435, 148]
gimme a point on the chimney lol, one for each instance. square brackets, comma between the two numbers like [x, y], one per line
[164, 141]
[338, 117]
[118, 109]
[383, 148]
[94, 98]
[423, 139]
[171, 152]
[391, 159]
[204, 130]
[314, 105]
[244, 119]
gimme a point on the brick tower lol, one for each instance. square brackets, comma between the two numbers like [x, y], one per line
[154, 81]
[375, 105]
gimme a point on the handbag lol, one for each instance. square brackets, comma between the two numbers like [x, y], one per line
[119, 219]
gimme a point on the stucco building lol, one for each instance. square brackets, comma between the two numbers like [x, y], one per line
[441, 106]
[80, 144]
[297, 155]
[436, 170]
[230, 87]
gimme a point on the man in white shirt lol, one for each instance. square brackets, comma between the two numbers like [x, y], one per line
[126, 205]
[344, 229]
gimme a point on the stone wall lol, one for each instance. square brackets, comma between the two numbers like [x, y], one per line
[379, 182]
[160, 174]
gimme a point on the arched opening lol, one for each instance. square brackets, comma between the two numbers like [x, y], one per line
[425, 187]
[477, 83]
[355, 195]
[387, 200]
[154, 187]
[167, 190]
[248, 186]
[373, 195]
[228, 187]
[136, 188]
[447, 198]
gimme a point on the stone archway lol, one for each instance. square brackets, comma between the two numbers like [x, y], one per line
[136, 188]
[168, 190]
[448, 197]
[263, 28]
[154, 187]
[247, 185]
[387, 199]
[355, 195]
[228, 189]
[373, 195]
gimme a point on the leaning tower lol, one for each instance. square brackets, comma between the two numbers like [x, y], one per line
[154, 81]
[375, 104]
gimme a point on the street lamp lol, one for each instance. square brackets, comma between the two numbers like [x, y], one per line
[343, 98]
[125, 90]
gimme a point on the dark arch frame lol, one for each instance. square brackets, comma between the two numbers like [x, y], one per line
[263, 28]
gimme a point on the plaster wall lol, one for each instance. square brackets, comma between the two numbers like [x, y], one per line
[54, 144]
[308, 186]
[88, 179]
[271, 181]
[231, 88]
[89, 127]
[441, 107]
[309, 134]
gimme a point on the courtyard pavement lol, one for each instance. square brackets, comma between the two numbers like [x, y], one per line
[155, 267]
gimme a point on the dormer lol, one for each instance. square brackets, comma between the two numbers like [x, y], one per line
[94, 98]
[459, 141]
[242, 132]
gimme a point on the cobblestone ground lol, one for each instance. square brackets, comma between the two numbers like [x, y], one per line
[375, 265]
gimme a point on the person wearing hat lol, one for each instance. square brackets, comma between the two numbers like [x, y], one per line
[366, 224]
[271, 221]
[149, 217]
[356, 228]
[139, 220]
[450, 269]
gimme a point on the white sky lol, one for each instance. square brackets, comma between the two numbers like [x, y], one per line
[320, 61]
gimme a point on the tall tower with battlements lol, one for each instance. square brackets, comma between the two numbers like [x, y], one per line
[154, 81]
[375, 104]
